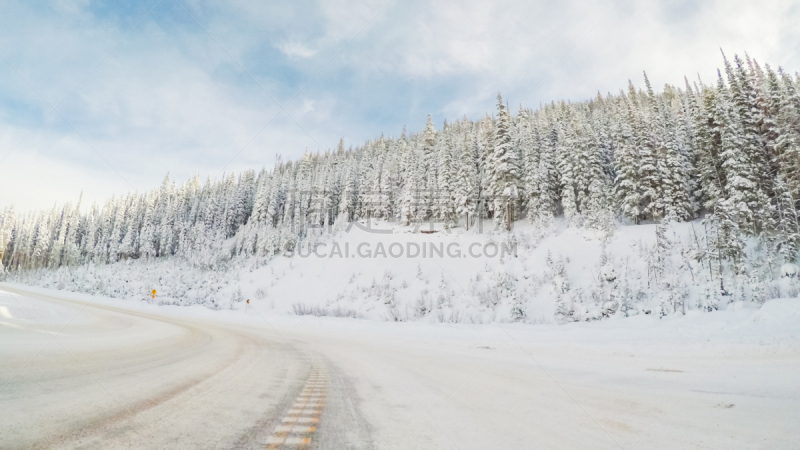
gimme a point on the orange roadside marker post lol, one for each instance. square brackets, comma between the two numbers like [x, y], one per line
[245, 306]
[154, 293]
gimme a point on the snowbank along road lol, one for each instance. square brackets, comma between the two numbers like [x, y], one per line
[83, 372]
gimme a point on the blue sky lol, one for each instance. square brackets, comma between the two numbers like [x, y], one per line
[142, 88]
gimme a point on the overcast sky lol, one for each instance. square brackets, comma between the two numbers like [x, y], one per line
[108, 97]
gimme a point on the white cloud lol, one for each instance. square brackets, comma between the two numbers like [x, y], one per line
[169, 99]
[577, 47]
[296, 49]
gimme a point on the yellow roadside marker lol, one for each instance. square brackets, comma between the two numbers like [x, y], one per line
[154, 293]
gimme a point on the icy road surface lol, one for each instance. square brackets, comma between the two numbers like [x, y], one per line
[84, 372]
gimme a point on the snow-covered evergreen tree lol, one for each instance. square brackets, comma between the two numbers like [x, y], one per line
[504, 171]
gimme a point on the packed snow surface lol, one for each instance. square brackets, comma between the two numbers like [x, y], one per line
[192, 377]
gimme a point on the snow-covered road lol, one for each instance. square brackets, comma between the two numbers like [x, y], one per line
[78, 375]
[83, 372]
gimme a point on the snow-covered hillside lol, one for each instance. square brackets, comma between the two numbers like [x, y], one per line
[642, 202]
[530, 275]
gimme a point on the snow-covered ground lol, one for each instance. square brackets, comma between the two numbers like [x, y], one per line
[726, 379]
[381, 271]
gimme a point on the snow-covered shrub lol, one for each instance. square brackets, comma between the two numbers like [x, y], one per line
[790, 270]
[302, 309]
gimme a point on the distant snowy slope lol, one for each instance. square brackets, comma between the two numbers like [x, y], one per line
[382, 271]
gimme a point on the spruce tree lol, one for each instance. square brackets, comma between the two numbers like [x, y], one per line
[504, 176]
[466, 181]
[627, 183]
